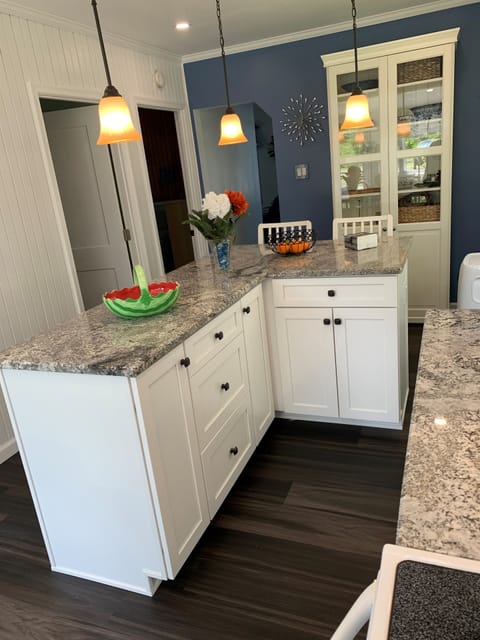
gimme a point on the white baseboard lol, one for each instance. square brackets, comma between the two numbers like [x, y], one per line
[8, 449]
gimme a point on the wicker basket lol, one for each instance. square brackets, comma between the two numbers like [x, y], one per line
[419, 213]
[417, 70]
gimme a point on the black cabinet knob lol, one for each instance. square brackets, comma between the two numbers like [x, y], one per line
[337, 321]
[331, 293]
[225, 386]
[246, 309]
[219, 335]
[185, 362]
[326, 321]
[233, 451]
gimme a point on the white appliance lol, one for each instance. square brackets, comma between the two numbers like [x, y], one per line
[469, 282]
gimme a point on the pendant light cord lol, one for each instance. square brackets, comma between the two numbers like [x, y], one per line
[354, 19]
[222, 47]
[102, 45]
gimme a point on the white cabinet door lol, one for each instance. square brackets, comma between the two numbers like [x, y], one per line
[367, 364]
[258, 364]
[172, 456]
[306, 354]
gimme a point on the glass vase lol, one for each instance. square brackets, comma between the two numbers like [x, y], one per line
[221, 253]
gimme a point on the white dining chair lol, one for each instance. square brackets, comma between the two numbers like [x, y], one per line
[273, 231]
[382, 225]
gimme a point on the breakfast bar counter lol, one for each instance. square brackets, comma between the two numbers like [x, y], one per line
[98, 342]
[440, 508]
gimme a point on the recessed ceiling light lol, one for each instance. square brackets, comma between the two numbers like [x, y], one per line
[182, 26]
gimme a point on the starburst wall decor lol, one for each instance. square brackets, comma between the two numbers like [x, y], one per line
[302, 119]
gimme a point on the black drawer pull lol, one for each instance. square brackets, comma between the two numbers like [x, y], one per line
[233, 451]
[326, 321]
[331, 293]
[246, 309]
[225, 386]
[185, 362]
[219, 335]
[337, 321]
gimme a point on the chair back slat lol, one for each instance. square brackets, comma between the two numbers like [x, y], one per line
[371, 224]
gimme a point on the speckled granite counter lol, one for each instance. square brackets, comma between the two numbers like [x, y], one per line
[97, 342]
[440, 504]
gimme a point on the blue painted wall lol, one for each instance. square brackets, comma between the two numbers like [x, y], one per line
[271, 76]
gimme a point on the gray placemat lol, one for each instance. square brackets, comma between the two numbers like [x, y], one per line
[434, 603]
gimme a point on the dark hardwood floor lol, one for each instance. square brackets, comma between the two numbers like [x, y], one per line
[296, 541]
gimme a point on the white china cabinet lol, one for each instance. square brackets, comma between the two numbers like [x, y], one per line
[402, 165]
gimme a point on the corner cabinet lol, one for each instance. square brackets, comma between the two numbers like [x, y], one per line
[126, 473]
[403, 165]
[341, 348]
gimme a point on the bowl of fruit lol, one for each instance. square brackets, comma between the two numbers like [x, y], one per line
[293, 242]
[143, 299]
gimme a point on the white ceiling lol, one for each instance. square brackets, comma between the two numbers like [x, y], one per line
[152, 22]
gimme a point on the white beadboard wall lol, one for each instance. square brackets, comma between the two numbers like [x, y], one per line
[36, 286]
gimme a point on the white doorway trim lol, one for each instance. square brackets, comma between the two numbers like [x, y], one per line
[34, 95]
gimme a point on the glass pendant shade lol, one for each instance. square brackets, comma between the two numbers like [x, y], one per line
[231, 131]
[115, 121]
[357, 112]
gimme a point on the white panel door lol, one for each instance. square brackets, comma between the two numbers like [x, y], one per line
[173, 456]
[367, 363]
[307, 361]
[87, 189]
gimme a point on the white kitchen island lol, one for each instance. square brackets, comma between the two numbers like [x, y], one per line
[133, 432]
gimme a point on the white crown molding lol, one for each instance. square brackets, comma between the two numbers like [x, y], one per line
[388, 16]
[449, 36]
[12, 8]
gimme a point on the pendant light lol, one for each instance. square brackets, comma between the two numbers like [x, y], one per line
[115, 120]
[357, 114]
[230, 126]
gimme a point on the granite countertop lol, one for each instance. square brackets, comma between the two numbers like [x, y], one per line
[440, 503]
[98, 342]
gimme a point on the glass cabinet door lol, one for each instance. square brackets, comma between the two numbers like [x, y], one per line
[419, 98]
[359, 170]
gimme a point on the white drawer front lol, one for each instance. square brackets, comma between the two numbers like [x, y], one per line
[226, 456]
[212, 338]
[217, 387]
[375, 291]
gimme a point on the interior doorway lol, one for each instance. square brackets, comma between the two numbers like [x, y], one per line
[165, 173]
[89, 198]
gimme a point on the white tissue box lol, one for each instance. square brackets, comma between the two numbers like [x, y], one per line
[359, 241]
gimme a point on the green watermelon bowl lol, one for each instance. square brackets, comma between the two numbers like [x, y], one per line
[143, 299]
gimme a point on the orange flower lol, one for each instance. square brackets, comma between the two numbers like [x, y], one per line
[238, 202]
